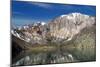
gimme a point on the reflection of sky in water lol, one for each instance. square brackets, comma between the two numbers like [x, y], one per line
[29, 12]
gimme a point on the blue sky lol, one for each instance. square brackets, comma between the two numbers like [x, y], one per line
[30, 12]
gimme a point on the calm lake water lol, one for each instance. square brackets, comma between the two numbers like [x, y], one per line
[58, 56]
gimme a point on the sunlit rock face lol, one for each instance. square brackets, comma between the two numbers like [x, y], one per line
[34, 34]
[62, 28]
[67, 26]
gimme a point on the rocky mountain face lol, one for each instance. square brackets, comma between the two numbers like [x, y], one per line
[62, 28]
[33, 34]
[67, 26]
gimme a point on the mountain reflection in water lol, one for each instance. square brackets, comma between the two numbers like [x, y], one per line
[46, 58]
[60, 56]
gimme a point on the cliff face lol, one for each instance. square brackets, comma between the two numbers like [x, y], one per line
[62, 28]
[67, 26]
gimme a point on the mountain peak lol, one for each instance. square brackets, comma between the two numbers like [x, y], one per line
[70, 15]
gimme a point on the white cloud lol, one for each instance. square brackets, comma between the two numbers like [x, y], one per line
[44, 5]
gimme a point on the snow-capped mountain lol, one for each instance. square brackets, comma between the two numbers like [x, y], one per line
[64, 27]
[67, 26]
[43, 23]
[30, 33]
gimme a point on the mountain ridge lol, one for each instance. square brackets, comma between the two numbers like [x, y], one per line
[64, 27]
